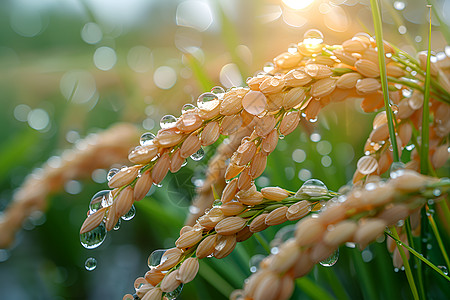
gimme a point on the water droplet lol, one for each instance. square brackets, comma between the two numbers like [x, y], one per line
[186, 107]
[281, 136]
[397, 169]
[293, 48]
[198, 155]
[111, 173]
[396, 270]
[410, 147]
[217, 203]
[94, 238]
[130, 214]
[406, 93]
[174, 294]
[98, 200]
[155, 258]
[350, 245]
[400, 223]
[331, 260]
[268, 67]
[399, 5]
[312, 188]
[284, 234]
[218, 90]
[437, 192]
[90, 264]
[117, 226]
[147, 139]
[168, 121]
[193, 209]
[394, 108]
[274, 250]
[443, 269]
[313, 120]
[207, 101]
[254, 262]
[128, 297]
[313, 37]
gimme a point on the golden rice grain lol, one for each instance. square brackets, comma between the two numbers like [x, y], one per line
[274, 193]
[161, 168]
[206, 246]
[210, 133]
[93, 220]
[188, 270]
[258, 224]
[230, 225]
[124, 177]
[170, 282]
[189, 239]
[367, 68]
[276, 216]
[191, 145]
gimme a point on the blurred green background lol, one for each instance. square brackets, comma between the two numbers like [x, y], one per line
[72, 67]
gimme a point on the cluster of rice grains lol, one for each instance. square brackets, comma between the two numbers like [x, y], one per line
[298, 84]
[97, 151]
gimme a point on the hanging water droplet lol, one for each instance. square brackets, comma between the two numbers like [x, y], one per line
[207, 101]
[130, 214]
[284, 234]
[186, 107]
[437, 192]
[147, 139]
[111, 173]
[312, 188]
[331, 260]
[274, 250]
[281, 136]
[443, 269]
[394, 108]
[155, 258]
[174, 294]
[406, 93]
[158, 184]
[268, 67]
[90, 264]
[218, 90]
[350, 245]
[107, 201]
[168, 121]
[94, 238]
[255, 261]
[410, 147]
[313, 37]
[397, 169]
[117, 226]
[97, 201]
[198, 155]
[313, 120]
[217, 203]
[293, 48]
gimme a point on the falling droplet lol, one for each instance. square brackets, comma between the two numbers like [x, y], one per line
[268, 67]
[130, 214]
[111, 173]
[331, 260]
[313, 37]
[207, 101]
[174, 294]
[397, 169]
[155, 258]
[217, 90]
[312, 188]
[255, 261]
[443, 269]
[90, 264]
[198, 155]
[284, 234]
[117, 226]
[168, 121]
[94, 238]
[147, 139]
[98, 200]
[186, 107]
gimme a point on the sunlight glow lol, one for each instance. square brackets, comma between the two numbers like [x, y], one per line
[297, 4]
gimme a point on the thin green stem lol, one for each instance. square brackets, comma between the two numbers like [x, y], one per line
[262, 241]
[408, 272]
[418, 271]
[445, 210]
[426, 113]
[438, 236]
[313, 290]
[376, 14]
[418, 255]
